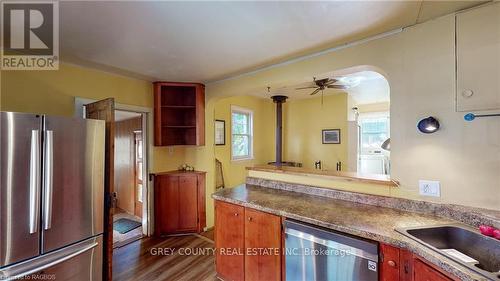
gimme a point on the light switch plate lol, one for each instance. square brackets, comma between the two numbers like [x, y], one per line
[429, 188]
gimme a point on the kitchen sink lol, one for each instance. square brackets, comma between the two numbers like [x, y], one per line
[465, 245]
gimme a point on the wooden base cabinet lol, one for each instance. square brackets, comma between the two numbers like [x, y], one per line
[230, 241]
[245, 239]
[247, 242]
[179, 202]
[401, 265]
[263, 246]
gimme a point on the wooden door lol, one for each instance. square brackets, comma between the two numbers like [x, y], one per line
[262, 231]
[229, 241]
[138, 184]
[105, 110]
[188, 203]
[389, 263]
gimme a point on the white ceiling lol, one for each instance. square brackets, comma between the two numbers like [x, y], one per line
[207, 41]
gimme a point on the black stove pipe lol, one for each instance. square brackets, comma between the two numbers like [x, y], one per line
[279, 100]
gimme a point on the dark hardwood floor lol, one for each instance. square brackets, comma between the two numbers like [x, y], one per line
[142, 260]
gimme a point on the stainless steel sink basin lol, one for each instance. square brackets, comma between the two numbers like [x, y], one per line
[482, 253]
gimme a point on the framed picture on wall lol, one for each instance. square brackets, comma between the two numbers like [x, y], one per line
[331, 136]
[220, 132]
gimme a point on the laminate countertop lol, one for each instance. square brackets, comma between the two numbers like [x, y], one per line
[358, 219]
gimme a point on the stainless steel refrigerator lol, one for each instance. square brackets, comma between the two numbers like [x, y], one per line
[51, 197]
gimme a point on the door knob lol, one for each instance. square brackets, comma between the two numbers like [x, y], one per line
[235, 214]
[249, 218]
[391, 263]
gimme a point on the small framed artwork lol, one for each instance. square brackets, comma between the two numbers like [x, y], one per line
[331, 136]
[220, 132]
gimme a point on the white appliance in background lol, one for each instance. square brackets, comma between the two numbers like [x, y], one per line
[373, 164]
[51, 197]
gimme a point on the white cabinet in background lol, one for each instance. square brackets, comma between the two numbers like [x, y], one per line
[478, 58]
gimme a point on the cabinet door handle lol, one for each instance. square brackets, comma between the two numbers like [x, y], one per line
[249, 218]
[391, 263]
[235, 214]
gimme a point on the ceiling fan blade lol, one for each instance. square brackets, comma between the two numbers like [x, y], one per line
[315, 91]
[311, 87]
[331, 81]
[343, 87]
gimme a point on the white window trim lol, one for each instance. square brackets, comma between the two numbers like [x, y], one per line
[243, 110]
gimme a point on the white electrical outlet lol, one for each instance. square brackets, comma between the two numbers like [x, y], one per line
[429, 188]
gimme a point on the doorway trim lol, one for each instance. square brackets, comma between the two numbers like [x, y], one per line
[147, 124]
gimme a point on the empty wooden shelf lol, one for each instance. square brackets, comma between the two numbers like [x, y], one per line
[179, 113]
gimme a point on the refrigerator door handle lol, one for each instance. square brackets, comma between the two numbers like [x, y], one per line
[48, 179]
[19, 271]
[34, 214]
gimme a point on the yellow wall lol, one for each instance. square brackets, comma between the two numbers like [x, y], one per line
[263, 136]
[419, 64]
[303, 121]
[53, 92]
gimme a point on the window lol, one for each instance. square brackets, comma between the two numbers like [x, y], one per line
[241, 133]
[374, 131]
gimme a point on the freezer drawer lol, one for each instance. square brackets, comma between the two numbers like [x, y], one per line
[79, 262]
[20, 154]
[73, 181]
[317, 254]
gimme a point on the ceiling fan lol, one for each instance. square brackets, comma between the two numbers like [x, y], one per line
[322, 84]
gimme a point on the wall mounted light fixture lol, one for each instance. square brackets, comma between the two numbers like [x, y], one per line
[428, 125]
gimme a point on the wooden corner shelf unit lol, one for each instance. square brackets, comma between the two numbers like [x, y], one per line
[179, 113]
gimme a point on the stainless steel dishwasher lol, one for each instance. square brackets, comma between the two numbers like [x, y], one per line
[313, 253]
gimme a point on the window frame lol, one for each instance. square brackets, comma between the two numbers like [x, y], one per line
[246, 111]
